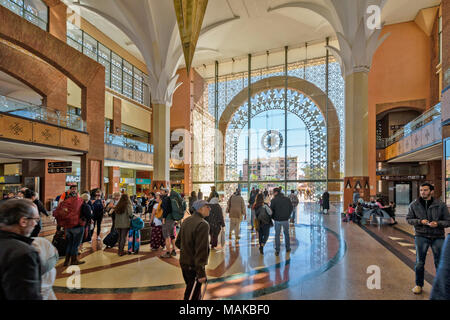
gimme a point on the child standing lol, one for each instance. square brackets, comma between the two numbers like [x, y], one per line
[350, 211]
[134, 235]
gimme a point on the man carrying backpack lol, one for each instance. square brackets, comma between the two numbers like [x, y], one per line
[69, 216]
[171, 206]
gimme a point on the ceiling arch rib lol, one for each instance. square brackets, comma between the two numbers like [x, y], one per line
[357, 42]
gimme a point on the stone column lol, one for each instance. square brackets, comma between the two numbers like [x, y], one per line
[114, 179]
[356, 136]
[161, 143]
[93, 112]
[116, 127]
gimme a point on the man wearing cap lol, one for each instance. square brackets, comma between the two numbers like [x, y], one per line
[193, 242]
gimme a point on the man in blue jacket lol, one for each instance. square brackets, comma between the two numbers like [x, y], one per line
[429, 217]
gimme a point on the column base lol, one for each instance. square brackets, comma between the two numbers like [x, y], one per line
[158, 184]
[361, 184]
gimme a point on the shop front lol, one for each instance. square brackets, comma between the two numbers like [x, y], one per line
[9, 184]
[143, 186]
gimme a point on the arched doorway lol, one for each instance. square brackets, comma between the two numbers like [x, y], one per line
[283, 147]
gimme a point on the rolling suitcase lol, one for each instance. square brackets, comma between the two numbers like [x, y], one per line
[203, 291]
[111, 239]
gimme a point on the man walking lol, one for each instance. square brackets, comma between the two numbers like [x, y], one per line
[168, 226]
[193, 242]
[236, 210]
[20, 269]
[294, 200]
[281, 211]
[429, 217]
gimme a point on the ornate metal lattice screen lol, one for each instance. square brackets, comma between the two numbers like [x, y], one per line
[273, 99]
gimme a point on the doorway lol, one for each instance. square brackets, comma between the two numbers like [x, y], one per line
[403, 193]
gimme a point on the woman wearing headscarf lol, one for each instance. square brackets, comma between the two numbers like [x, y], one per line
[215, 220]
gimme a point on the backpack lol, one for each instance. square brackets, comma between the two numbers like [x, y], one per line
[177, 207]
[159, 211]
[265, 216]
[67, 214]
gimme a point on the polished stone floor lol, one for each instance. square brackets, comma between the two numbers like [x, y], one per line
[329, 260]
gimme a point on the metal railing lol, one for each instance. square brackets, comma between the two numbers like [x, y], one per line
[125, 142]
[35, 112]
[25, 11]
[425, 118]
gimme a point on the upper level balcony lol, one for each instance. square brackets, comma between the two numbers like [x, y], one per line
[24, 122]
[120, 149]
[124, 142]
[15, 107]
[34, 11]
[418, 135]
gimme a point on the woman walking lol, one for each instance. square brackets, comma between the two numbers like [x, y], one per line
[123, 214]
[215, 220]
[263, 216]
[157, 239]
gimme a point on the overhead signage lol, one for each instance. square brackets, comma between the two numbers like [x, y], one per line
[143, 181]
[403, 177]
[59, 170]
[64, 164]
[10, 179]
[77, 179]
[72, 179]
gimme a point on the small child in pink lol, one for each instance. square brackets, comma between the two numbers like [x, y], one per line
[350, 211]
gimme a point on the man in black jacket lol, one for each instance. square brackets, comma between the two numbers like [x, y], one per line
[429, 217]
[281, 211]
[168, 224]
[193, 241]
[20, 269]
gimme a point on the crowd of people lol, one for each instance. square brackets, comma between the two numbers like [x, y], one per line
[27, 262]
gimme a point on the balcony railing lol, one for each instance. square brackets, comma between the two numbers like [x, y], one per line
[427, 117]
[35, 112]
[125, 142]
[25, 10]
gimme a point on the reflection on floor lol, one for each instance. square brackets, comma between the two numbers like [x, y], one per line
[329, 260]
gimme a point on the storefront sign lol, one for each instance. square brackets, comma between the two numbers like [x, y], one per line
[59, 170]
[64, 164]
[10, 179]
[143, 181]
[76, 179]
[72, 179]
[129, 181]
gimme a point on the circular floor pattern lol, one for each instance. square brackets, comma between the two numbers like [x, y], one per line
[236, 272]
